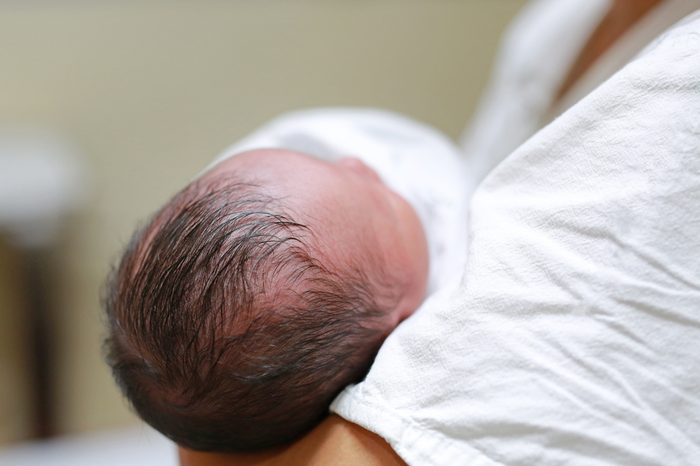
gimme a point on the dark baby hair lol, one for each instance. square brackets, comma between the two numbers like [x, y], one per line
[225, 330]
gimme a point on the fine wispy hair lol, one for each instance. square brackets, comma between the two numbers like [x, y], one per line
[226, 331]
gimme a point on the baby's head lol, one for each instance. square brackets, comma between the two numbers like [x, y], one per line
[257, 293]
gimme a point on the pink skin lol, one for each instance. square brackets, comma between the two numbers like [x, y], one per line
[349, 208]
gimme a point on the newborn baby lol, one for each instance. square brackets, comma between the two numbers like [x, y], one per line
[267, 285]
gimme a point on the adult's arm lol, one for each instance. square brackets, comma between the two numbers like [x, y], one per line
[334, 442]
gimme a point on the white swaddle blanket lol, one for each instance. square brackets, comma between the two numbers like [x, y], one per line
[574, 337]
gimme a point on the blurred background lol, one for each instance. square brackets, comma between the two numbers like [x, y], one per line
[107, 108]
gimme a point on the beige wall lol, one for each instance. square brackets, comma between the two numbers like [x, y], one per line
[151, 90]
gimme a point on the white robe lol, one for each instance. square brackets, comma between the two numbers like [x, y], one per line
[537, 52]
[574, 336]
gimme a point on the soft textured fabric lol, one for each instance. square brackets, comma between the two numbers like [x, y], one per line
[529, 71]
[658, 19]
[412, 159]
[574, 336]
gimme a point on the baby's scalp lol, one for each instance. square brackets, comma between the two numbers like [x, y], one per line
[204, 342]
[350, 210]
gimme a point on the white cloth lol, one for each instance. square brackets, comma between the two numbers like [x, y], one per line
[574, 337]
[658, 19]
[529, 71]
[414, 160]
